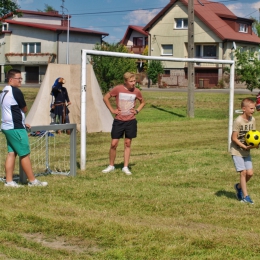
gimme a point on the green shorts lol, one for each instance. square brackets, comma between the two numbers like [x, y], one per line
[17, 141]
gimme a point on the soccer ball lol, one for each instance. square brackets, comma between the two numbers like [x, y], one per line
[252, 137]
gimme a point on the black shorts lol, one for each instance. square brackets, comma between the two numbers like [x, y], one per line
[119, 128]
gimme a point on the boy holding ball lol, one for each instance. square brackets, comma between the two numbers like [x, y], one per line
[240, 151]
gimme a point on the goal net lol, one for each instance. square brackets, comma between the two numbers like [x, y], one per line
[51, 152]
[84, 76]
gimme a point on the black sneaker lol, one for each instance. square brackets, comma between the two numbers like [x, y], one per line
[239, 192]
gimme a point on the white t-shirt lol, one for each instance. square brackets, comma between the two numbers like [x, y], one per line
[12, 101]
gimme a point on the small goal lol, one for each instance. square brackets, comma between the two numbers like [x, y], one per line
[51, 152]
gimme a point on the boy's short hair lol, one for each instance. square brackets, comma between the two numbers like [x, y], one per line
[247, 101]
[128, 75]
[11, 73]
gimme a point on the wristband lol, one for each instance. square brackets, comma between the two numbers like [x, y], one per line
[136, 111]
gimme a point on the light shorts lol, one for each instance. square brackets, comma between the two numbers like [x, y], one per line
[17, 141]
[242, 163]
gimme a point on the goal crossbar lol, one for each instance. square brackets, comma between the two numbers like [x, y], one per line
[84, 61]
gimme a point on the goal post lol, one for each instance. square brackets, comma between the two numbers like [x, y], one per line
[84, 60]
[47, 133]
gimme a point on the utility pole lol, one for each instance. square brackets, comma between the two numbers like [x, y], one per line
[68, 29]
[191, 72]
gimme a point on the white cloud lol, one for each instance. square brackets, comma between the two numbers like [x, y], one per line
[93, 28]
[236, 9]
[256, 5]
[244, 9]
[112, 39]
[140, 17]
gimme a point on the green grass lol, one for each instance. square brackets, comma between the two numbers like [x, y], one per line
[178, 204]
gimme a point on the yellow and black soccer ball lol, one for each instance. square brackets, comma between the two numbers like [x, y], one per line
[252, 138]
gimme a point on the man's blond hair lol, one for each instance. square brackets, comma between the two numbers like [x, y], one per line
[128, 75]
[246, 101]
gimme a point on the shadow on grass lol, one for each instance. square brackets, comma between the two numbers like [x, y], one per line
[170, 112]
[121, 165]
[227, 194]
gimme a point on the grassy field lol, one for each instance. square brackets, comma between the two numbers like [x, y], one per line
[178, 204]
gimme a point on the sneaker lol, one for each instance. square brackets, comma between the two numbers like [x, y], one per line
[12, 184]
[37, 183]
[247, 199]
[126, 171]
[110, 168]
[239, 192]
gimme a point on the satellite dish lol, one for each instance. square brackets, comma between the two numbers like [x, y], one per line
[234, 46]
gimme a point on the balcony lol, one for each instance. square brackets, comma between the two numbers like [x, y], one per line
[136, 49]
[32, 58]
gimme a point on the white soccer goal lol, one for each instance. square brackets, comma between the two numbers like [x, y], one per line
[51, 153]
[84, 75]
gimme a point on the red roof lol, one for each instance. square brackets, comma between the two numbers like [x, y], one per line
[129, 31]
[50, 27]
[50, 13]
[211, 14]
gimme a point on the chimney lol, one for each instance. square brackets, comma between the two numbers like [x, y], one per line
[64, 22]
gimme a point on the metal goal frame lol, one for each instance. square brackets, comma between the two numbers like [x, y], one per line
[84, 61]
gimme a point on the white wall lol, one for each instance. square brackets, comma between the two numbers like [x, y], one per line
[37, 19]
[77, 42]
[135, 34]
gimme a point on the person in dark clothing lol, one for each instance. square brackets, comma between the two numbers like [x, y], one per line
[59, 107]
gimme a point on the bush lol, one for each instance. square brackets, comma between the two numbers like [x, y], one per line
[110, 70]
[154, 69]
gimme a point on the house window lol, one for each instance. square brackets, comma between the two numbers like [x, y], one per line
[243, 28]
[205, 51]
[31, 47]
[167, 49]
[138, 41]
[167, 72]
[4, 26]
[181, 23]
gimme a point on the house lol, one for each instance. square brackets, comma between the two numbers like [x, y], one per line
[217, 31]
[135, 39]
[30, 42]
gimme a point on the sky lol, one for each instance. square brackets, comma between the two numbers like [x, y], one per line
[113, 16]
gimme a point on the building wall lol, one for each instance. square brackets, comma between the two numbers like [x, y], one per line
[77, 42]
[49, 44]
[37, 19]
[21, 34]
[229, 51]
[135, 34]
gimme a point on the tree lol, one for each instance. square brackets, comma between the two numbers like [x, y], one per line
[256, 26]
[47, 8]
[247, 68]
[145, 52]
[8, 6]
[110, 70]
[155, 68]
